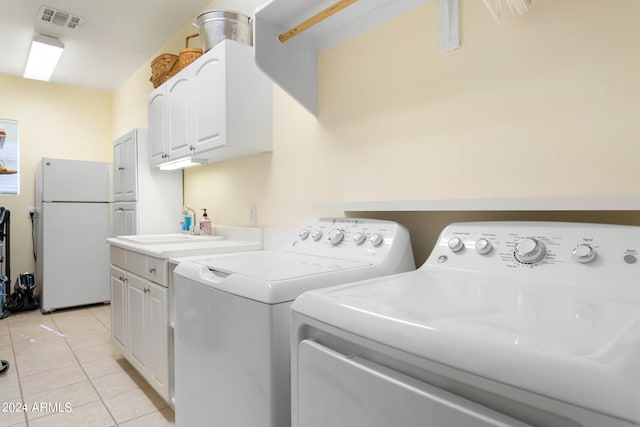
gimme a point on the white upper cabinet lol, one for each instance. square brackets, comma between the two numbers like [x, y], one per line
[217, 108]
[158, 139]
[169, 108]
[208, 97]
[179, 109]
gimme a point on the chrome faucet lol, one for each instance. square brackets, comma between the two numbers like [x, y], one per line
[192, 214]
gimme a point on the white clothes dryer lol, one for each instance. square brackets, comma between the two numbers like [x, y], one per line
[232, 342]
[506, 324]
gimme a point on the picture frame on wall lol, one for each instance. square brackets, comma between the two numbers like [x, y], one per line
[9, 162]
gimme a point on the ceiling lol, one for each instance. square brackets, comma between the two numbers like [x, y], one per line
[115, 38]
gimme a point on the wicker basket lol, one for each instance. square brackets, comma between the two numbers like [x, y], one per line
[163, 67]
[188, 55]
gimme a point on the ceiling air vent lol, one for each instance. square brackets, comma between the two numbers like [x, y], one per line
[59, 18]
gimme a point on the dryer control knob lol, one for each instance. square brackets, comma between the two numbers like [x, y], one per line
[303, 234]
[316, 235]
[483, 246]
[583, 253]
[455, 244]
[376, 239]
[336, 236]
[529, 250]
[359, 238]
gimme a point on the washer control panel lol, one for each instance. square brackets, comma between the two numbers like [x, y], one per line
[558, 250]
[352, 238]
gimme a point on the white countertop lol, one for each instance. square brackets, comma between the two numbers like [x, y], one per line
[183, 249]
[247, 239]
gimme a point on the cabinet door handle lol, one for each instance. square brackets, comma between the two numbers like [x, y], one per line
[121, 168]
[152, 270]
[146, 290]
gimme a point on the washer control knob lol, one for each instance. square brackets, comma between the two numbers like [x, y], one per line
[529, 250]
[316, 235]
[455, 244]
[483, 246]
[303, 234]
[583, 253]
[359, 238]
[336, 236]
[376, 239]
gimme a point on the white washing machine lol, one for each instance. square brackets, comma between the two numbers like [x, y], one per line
[232, 342]
[506, 324]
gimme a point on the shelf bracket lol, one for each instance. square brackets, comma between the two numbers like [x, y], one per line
[449, 28]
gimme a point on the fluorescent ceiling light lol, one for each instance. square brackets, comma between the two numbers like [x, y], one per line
[185, 162]
[43, 57]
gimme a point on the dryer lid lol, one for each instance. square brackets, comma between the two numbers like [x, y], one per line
[558, 341]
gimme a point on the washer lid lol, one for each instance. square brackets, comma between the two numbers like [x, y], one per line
[275, 266]
[573, 345]
[272, 277]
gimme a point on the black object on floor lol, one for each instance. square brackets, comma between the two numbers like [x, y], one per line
[4, 366]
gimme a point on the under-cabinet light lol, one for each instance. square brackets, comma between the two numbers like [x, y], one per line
[185, 162]
[43, 57]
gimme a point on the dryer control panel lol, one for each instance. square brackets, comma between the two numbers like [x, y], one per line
[553, 251]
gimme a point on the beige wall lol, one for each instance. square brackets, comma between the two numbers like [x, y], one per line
[540, 105]
[55, 121]
[130, 99]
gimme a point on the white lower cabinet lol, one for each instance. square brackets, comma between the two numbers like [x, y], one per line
[157, 305]
[140, 317]
[118, 307]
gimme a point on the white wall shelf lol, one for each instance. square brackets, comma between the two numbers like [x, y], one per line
[574, 203]
[293, 64]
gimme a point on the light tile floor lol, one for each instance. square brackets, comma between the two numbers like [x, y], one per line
[65, 371]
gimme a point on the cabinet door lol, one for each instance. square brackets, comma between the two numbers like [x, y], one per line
[118, 308]
[208, 97]
[158, 322]
[118, 222]
[118, 170]
[179, 109]
[125, 219]
[130, 178]
[129, 221]
[157, 104]
[137, 323]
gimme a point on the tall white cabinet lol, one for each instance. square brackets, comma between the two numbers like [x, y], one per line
[219, 107]
[146, 199]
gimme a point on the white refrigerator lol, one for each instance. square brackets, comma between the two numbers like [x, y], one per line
[73, 204]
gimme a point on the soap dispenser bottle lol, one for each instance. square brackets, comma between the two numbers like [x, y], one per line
[205, 224]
